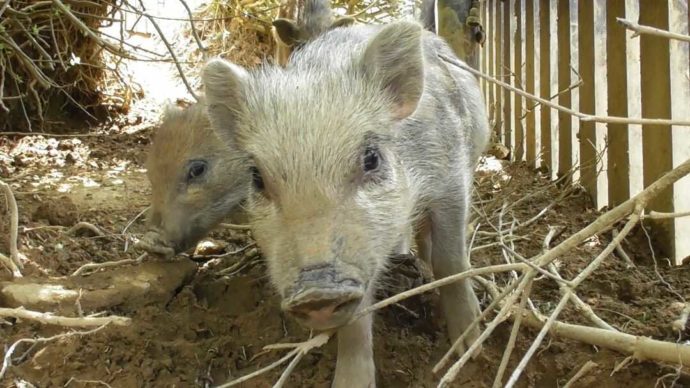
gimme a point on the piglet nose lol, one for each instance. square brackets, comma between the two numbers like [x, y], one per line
[321, 312]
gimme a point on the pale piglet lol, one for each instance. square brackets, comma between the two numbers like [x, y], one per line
[365, 135]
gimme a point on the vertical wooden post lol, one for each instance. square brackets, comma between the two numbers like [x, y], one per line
[507, 76]
[565, 154]
[634, 100]
[600, 101]
[538, 60]
[531, 57]
[483, 57]
[520, 75]
[575, 93]
[498, 55]
[588, 168]
[545, 82]
[679, 18]
[553, 90]
[618, 162]
[490, 47]
[656, 102]
[514, 70]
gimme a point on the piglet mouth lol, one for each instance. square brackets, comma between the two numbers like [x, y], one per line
[324, 308]
[154, 244]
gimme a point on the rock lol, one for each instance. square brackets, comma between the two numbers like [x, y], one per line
[209, 247]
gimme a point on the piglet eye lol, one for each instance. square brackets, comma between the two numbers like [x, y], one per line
[371, 159]
[196, 169]
[257, 180]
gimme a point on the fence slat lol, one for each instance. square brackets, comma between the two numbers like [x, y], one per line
[679, 18]
[507, 75]
[498, 55]
[484, 57]
[530, 57]
[537, 111]
[489, 45]
[600, 101]
[516, 24]
[588, 156]
[565, 154]
[545, 82]
[634, 100]
[656, 102]
[554, 89]
[618, 161]
[575, 92]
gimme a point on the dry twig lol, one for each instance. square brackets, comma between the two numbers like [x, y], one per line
[85, 225]
[94, 266]
[7, 362]
[300, 349]
[235, 226]
[647, 30]
[581, 116]
[589, 365]
[50, 319]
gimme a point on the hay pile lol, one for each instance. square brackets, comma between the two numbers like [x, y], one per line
[51, 60]
[240, 31]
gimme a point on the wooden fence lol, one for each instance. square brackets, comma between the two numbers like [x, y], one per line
[577, 55]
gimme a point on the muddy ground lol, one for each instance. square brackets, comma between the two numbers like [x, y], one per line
[208, 327]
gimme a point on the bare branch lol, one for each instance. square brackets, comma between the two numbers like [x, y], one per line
[7, 362]
[50, 319]
[589, 365]
[171, 51]
[93, 266]
[647, 30]
[582, 116]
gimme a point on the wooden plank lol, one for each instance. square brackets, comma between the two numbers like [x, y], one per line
[634, 100]
[489, 45]
[588, 168]
[514, 73]
[545, 83]
[575, 93]
[656, 102]
[537, 109]
[498, 55]
[564, 127]
[530, 57]
[618, 170]
[554, 89]
[679, 18]
[483, 57]
[519, 79]
[600, 101]
[507, 76]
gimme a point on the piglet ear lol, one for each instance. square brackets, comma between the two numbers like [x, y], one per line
[394, 58]
[288, 32]
[224, 85]
[344, 21]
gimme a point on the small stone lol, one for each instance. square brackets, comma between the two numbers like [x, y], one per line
[209, 247]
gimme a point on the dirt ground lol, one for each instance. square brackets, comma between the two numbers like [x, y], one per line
[209, 326]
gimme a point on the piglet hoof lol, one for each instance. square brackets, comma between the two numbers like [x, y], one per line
[153, 244]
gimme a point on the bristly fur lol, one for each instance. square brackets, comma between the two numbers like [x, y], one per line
[305, 129]
[182, 213]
